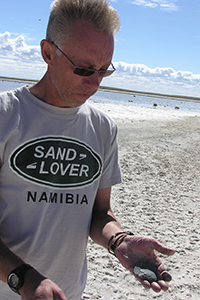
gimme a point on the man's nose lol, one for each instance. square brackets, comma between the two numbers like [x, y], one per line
[93, 81]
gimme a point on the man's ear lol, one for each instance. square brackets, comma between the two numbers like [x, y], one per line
[47, 51]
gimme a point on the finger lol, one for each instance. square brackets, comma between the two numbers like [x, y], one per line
[145, 284]
[163, 285]
[162, 248]
[156, 287]
[59, 297]
[166, 276]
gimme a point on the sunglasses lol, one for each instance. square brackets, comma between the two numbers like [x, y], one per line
[84, 71]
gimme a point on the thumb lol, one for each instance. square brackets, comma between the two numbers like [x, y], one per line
[162, 248]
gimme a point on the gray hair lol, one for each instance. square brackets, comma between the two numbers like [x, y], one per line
[64, 13]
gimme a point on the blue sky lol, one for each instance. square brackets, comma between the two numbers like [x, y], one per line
[157, 48]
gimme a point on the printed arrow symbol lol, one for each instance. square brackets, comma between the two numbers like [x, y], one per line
[82, 156]
[32, 166]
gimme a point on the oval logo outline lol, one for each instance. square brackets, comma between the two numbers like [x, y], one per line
[82, 151]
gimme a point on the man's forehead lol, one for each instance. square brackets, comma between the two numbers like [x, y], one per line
[84, 29]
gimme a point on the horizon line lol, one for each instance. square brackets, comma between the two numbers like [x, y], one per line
[118, 90]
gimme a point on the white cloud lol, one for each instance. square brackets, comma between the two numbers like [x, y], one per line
[17, 48]
[162, 4]
[139, 77]
[17, 59]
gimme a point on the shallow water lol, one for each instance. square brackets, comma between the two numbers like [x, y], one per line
[126, 99]
[144, 101]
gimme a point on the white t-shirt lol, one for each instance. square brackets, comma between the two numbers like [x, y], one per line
[52, 162]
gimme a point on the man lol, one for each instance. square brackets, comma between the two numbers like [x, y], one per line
[58, 159]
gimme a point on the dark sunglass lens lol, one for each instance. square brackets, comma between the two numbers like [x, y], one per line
[102, 73]
[83, 72]
[86, 72]
[108, 73]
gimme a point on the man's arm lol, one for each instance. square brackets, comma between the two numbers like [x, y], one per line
[104, 224]
[35, 285]
[130, 250]
[8, 261]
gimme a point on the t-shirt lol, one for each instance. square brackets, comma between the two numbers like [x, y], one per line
[52, 162]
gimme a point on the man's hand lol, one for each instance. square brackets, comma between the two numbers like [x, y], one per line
[140, 251]
[37, 287]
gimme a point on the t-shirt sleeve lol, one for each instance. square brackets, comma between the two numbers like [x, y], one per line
[111, 173]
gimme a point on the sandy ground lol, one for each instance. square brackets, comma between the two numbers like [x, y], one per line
[160, 196]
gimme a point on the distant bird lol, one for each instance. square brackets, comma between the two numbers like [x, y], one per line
[39, 20]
